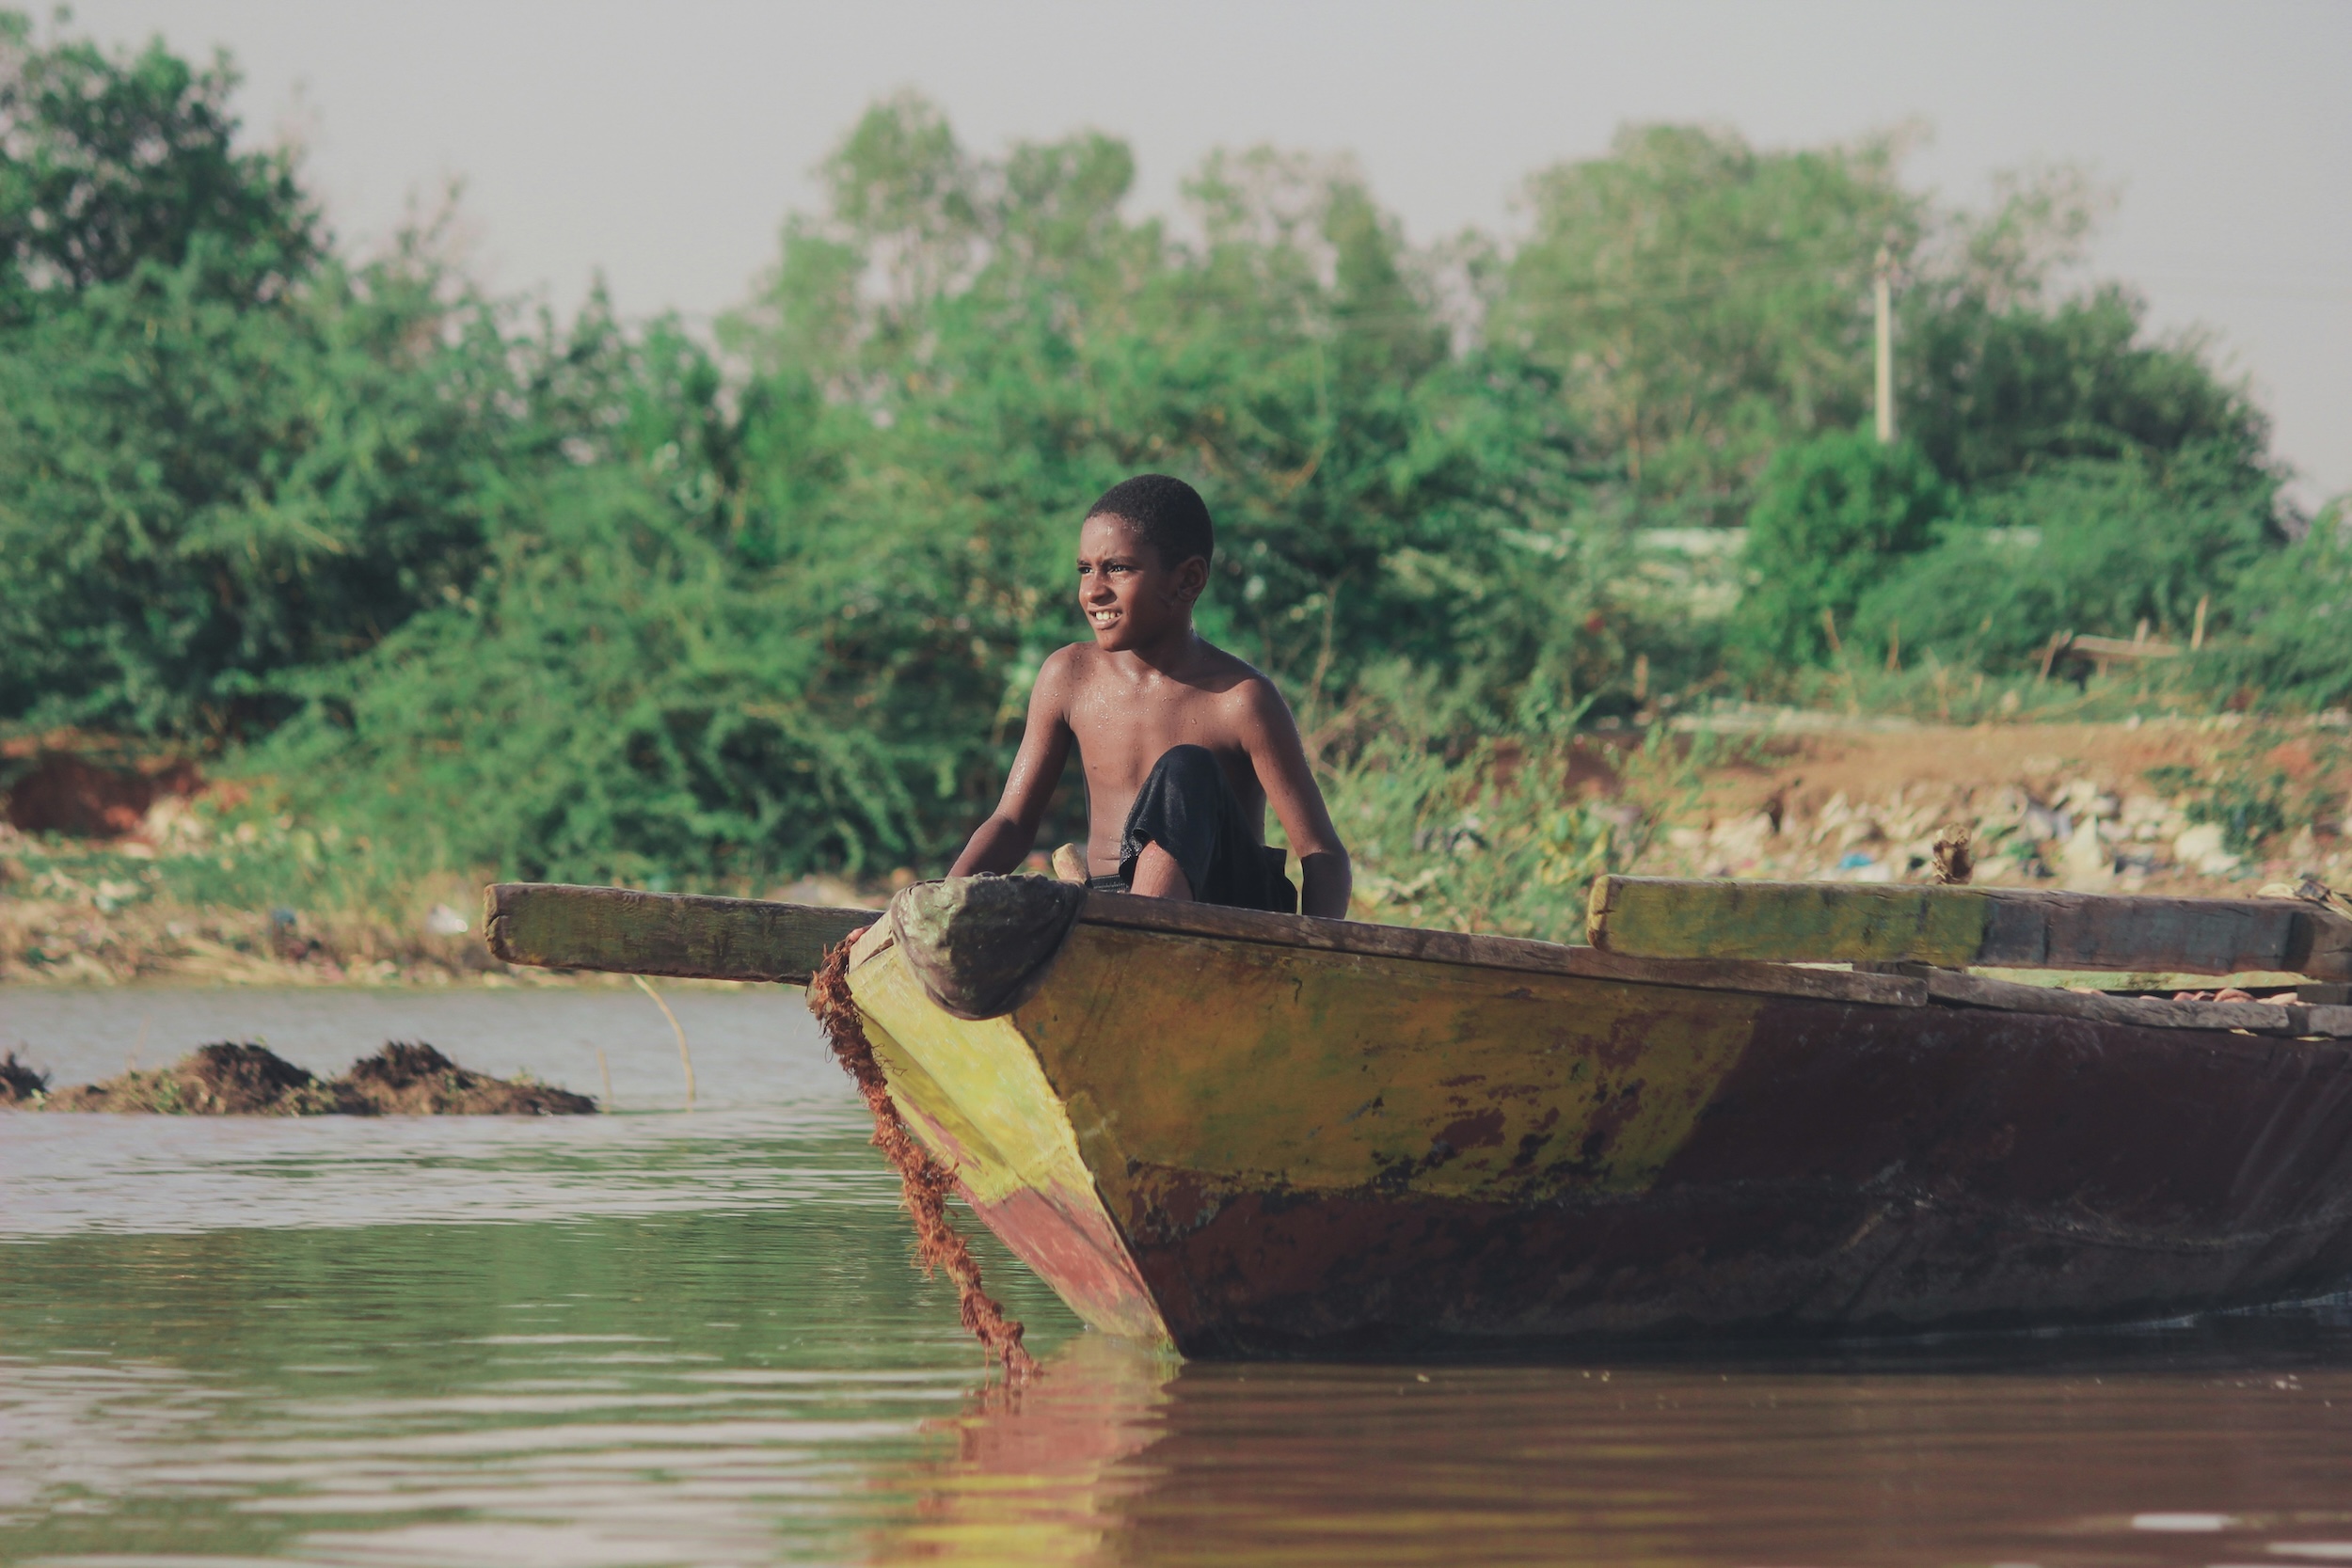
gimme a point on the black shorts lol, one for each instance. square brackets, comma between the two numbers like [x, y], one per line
[1188, 808]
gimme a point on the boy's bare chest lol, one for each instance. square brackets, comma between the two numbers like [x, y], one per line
[1120, 734]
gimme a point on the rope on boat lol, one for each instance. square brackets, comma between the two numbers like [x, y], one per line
[923, 1183]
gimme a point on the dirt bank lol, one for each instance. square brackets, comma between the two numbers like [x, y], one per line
[99, 927]
[229, 1079]
[102, 912]
[2209, 806]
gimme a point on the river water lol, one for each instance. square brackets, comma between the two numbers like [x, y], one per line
[694, 1336]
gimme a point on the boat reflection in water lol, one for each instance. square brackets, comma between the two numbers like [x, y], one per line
[1043, 1472]
[2221, 1444]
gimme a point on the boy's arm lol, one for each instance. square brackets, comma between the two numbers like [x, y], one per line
[1326, 878]
[1005, 840]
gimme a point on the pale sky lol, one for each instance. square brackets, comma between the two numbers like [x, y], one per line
[664, 143]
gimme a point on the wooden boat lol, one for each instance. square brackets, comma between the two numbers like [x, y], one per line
[1245, 1133]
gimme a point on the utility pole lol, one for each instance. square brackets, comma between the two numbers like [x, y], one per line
[1884, 289]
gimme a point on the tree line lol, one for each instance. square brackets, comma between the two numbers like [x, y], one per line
[584, 598]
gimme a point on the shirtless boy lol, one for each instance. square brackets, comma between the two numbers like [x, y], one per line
[1183, 745]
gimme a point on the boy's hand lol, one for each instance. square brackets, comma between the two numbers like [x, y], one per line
[1326, 878]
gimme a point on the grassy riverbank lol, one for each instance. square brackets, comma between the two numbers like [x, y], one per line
[1502, 834]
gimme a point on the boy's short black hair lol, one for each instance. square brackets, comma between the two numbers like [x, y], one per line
[1170, 514]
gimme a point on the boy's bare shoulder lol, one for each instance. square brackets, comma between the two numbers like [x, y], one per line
[1250, 708]
[1066, 668]
[1211, 666]
[1227, 679]
[1235, 678]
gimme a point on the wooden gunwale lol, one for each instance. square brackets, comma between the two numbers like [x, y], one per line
[1947, 987]
[1479, 950]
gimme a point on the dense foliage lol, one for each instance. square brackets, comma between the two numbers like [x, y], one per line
[1706, 303]
[223, 453]
[592, 600]
[2078, 546]
[2296, 606]
[1835, 515]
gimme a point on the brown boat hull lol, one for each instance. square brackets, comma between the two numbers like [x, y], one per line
[1859, 1172]
[1243, 1145]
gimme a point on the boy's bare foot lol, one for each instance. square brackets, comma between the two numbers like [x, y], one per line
[1158, 876]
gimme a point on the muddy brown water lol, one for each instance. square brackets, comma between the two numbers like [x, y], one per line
[665, 1337]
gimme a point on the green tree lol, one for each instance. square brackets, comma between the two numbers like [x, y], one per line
[1706, 303]
[585, 599]
[1998, 375]
[1835, 516]
[223, 453]
[198, 493]
[108, 162]
[1993, 393]
[613, 703]
[1293, 364]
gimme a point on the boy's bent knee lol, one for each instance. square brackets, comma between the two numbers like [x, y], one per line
[1189, 763]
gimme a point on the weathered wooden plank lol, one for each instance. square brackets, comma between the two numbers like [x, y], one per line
[1762, 979]
[686, 936]
[1661, 917]
[1958, 926]
[2104, 648]
[559, 927]
[2147, 1012]
[2089, 931]
[2322, 946]
[553, 926]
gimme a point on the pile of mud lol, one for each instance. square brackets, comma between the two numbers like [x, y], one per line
[230, 1080]
[405, 1079]
[19, 1084]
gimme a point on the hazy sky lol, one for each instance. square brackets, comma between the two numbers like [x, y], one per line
[662, 144]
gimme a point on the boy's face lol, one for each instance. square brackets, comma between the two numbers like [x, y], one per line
[1130, 597]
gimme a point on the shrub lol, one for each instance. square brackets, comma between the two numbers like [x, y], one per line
[2295, 607]
[2088, 547]
[1835, 515]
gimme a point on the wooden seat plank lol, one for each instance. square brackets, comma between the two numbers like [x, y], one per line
[683, 936]
[1957, 927]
